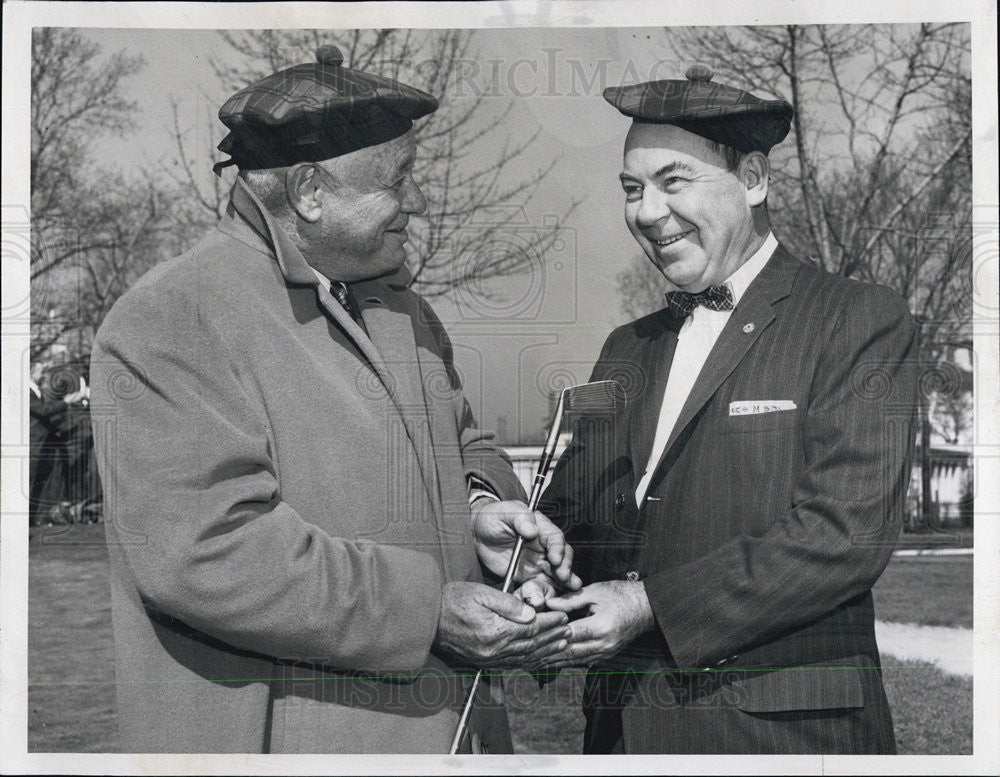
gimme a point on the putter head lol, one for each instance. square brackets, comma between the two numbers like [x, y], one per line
[600, 397]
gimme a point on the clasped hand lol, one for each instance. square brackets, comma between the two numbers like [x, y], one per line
[617, 612]
[546, 563]
[488, 628]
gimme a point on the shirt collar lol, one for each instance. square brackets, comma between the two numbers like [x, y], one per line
[740, 280]
[324, 281]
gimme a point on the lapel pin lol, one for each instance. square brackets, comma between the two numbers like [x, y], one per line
[748, 328]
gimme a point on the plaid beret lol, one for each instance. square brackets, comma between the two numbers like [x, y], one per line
[316, 111]
[714, 111]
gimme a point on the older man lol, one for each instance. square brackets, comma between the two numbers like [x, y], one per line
[288, 459]
[732, 526]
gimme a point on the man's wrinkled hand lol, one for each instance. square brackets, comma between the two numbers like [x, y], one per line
[491, 629]
[617, 613]
[496, 527]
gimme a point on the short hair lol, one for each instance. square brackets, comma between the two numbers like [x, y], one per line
[269, 186]
[732, 156]
[269, 183]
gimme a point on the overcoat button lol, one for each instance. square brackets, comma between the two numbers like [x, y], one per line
[620, 501]
[632, 576]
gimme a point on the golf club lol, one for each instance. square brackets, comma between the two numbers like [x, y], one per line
[601, 397]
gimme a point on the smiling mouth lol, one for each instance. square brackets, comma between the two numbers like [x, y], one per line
[671, 240]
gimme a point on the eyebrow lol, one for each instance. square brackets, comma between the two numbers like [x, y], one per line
[404, 162]
[667, 169]
[391, 174]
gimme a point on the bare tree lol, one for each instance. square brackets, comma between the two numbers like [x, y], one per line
[878, 165]
[92, 235]
[75, 95]
[641, 287]
[951, 410]
[130, 228]
[462, 167]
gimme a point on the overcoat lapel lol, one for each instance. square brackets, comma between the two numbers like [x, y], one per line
[392, 333]
[389, 346]
[752, 316]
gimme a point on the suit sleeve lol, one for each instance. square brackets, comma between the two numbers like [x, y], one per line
[194, 498]
[839, 533]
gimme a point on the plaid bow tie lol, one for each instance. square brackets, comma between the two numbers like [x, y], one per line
[681, 303]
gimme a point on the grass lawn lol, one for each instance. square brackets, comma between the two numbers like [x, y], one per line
[71, 699]
[931, 590]
[72, 704]
[931, 711]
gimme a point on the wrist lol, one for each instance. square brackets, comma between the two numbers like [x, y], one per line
[643, 619]
[479, 498]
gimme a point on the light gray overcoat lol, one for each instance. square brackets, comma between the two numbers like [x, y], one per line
[285, 499]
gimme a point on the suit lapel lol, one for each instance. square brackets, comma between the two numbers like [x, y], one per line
[654, 358]
[752, 316]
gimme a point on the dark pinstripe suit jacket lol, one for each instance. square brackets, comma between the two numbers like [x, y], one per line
[762, 534]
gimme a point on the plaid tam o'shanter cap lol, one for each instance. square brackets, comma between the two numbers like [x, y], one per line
[714, 111]
[316, 111]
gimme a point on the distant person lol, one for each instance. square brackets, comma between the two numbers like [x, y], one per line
[51, 431]
[83, 485]
[730, 529]
[295, 568]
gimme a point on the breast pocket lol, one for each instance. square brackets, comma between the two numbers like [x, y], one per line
[750, 423]
[761, 456]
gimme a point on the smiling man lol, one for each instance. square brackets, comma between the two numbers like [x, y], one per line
[295, 563]
[731, 525]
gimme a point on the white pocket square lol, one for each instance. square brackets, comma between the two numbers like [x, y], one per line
[757, 406]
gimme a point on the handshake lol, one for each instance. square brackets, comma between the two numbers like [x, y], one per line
[487, 628]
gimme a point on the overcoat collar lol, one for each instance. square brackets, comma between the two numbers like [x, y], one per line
[754, 313]
[389, 346]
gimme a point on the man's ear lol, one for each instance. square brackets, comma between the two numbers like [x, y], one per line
[302, 191]
[755, 170]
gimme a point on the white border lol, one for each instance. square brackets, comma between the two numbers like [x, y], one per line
[19, 17]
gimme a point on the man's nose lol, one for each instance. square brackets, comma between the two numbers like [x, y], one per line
[652, 208]
[414, 201]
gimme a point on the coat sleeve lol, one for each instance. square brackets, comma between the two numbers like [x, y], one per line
[839, 533]
[194, 497]
[482, 458]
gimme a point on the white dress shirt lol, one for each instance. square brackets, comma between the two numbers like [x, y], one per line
[695, 340]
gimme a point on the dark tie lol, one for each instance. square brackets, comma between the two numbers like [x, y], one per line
[346, 299]
[681, 303]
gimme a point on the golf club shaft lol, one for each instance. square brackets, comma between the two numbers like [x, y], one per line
[515, 558]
